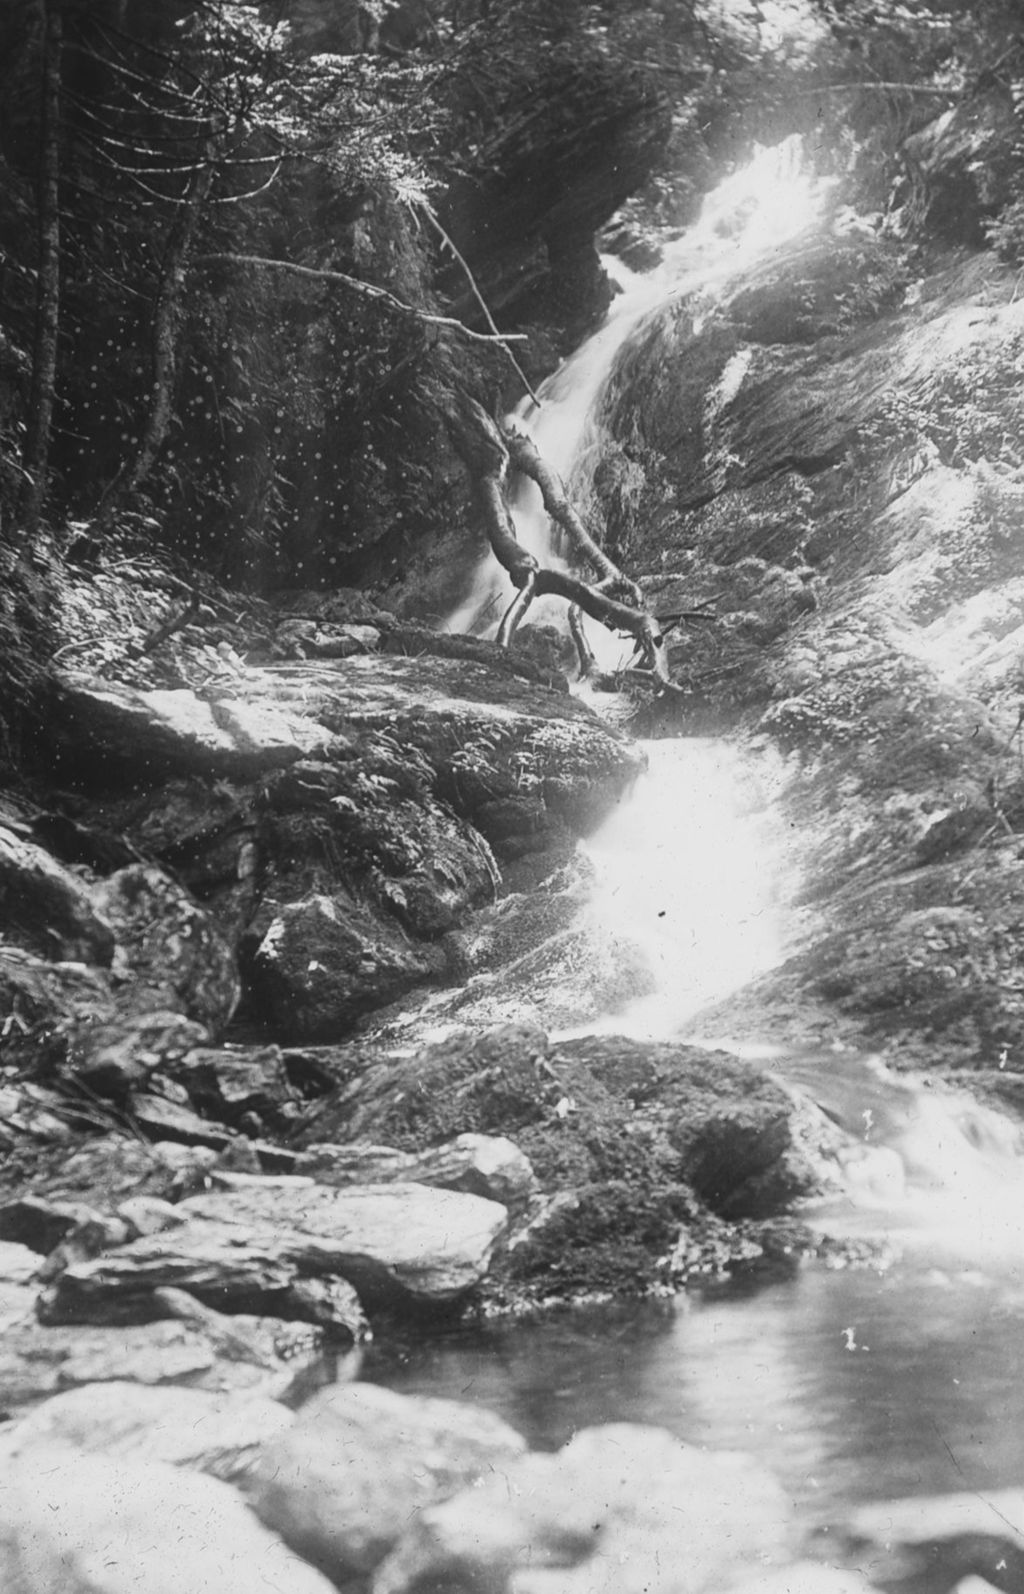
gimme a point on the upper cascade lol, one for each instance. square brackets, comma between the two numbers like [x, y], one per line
[754, 211]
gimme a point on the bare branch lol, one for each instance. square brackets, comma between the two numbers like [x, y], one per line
[478, 296]
[887, 88]
[369, 290]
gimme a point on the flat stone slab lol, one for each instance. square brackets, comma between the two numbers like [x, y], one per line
[37, 1362]
[403, 1244]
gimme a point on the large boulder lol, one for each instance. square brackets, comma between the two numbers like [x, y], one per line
[342, 1484]
[102, 728]
[620, 1507]
[325, 960]
[90, 1524]
[932, 1541]
[341, 859]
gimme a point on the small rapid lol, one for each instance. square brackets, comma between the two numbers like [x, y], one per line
[696, 863]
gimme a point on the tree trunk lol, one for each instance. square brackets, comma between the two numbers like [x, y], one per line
[166, 326]
[39, 427]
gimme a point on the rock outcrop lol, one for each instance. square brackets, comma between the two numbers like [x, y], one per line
[640, 1150]
[251, 1248]
[659, 1512]
[335, 819]
[542, 185]
[825, 458]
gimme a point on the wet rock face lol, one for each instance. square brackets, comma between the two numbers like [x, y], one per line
[546, 182]
[336, 815]
[961, 162]
[826, 461]
[48, 910]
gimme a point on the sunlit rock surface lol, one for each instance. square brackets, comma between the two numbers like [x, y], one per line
[245, 1249]
[824, 454]
[662, 1514]
[96, 1525]
[220, 1434]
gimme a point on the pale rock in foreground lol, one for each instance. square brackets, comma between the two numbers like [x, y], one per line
[811, 1577]
[91, 1525]
[998, 1513]
[222, 1434]
[37, 1363]
[622, 1508]
[343, 1482]
[405, 1239]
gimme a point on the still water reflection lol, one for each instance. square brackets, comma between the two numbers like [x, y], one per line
[852, 1385]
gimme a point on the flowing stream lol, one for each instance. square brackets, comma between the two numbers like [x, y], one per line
[852, 1384]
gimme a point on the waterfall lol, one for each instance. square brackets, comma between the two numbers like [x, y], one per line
[696, 869]
[752, 212]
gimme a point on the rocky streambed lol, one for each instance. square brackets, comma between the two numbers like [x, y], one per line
[258, 861]
[217, 1188]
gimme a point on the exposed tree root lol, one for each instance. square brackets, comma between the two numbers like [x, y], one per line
[612, 599]
[584, 652]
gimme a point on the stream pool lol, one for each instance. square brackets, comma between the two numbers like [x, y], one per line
[851, 1384]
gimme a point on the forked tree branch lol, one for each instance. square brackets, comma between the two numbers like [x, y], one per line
[488, 452]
